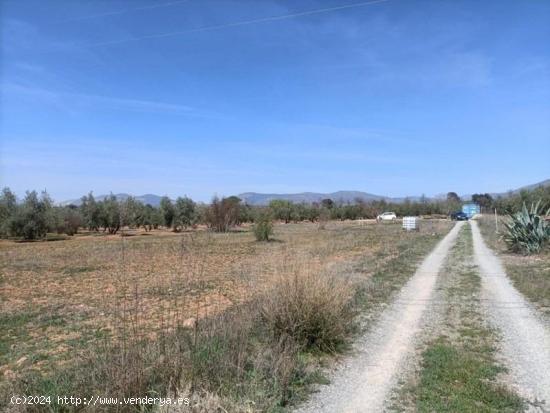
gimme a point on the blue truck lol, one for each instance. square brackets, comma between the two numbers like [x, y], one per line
[471, 209]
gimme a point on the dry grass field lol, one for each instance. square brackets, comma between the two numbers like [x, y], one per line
[64, 302]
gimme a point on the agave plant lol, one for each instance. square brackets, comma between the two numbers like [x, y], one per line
[527, 231]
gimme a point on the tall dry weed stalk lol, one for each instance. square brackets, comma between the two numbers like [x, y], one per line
[140, 357]
[314, 309]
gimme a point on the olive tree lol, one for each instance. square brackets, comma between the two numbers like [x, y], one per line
[167, 211]
[110, 214]
[185, 214]
[131, 212]
[151, 217]
[281, 210]
[91, 212]
[8, 208]
[67, 219]
[33, 218]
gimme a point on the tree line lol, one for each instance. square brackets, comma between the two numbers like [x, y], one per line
[36, 215]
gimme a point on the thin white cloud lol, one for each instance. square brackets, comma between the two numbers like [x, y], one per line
[125, 11]
[19, 37]
[241, 23]
[67, 99]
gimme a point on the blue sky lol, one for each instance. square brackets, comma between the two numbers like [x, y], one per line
[395, 97]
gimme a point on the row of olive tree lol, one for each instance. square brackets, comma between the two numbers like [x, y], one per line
[111, 214]
[35, 216]
[287, 211]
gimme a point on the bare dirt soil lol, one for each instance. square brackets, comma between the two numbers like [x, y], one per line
[58, 298]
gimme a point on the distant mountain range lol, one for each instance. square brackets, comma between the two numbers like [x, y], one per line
[255, 198]
[151, 199]
[544, 183]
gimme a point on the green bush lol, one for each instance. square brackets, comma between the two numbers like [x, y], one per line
[527, 232]
[263, 227]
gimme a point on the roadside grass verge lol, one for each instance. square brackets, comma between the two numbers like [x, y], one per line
[458, 369]
[529, 274]
[393, 267]
[259, 354]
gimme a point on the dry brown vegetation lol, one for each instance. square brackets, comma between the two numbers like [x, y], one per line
[219, 317]
[530, 274]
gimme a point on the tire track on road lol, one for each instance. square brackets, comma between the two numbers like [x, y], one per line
[364, 381]
[525, 343]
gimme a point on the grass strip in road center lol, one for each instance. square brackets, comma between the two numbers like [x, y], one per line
[459, 372]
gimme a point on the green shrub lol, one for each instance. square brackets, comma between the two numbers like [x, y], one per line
[263, 226]
[527, 232]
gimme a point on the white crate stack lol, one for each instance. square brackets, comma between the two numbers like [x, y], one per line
[410, 223]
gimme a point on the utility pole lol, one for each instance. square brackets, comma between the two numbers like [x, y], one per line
[496, 220]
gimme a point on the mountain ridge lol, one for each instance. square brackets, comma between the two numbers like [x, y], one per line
[257, 198]
[151, 199]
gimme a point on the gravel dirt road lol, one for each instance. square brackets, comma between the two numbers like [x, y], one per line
[364, 381]
[525, 338]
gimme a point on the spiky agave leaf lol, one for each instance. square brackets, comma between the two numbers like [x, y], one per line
[527, 232]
